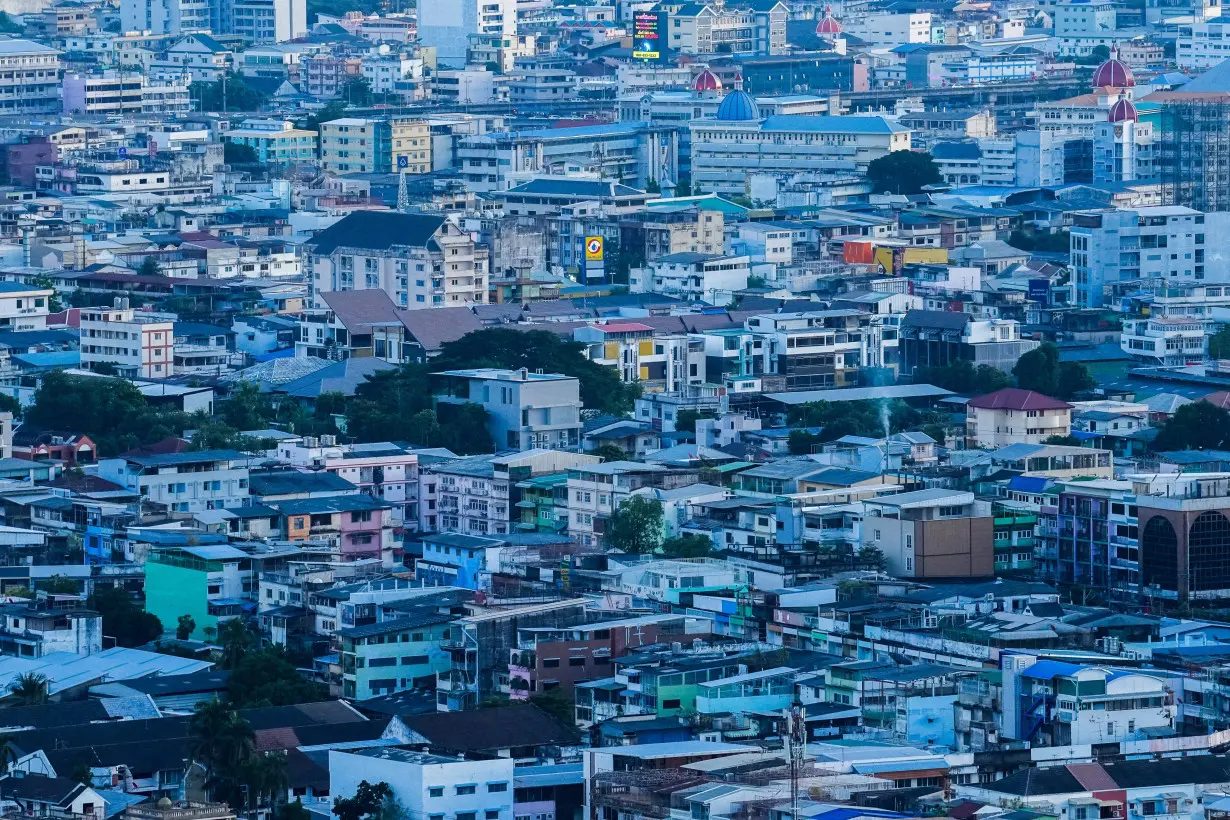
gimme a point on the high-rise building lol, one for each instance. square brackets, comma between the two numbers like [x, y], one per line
[447, 25]
[30, 82]
[353, 145]
[1116, 251]
[1193, 149]
[260, 21]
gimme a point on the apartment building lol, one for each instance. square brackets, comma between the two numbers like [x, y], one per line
[1165, 341]
[1115, 252]
[393, 655]
[419, 260]
[448, 25]
[275, 142]
[30, 83]
[1014, 416]
[1202, 45]
[525, 411]
[693, 277]
[656, 361]
[807, 351]
[135, 343]
[382, 470]
[481, 495]
[730, 28]
[119, 92]
[184, 483]
[354, 145]
[596, 491]
[937, 338]
[23, 307]
[326, 76]
[931, 534]
[356, 526]
[1182, 523]
[890, 28]
[258, 21]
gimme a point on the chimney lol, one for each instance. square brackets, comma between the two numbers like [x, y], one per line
[523, 374]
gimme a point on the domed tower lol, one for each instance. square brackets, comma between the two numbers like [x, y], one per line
[828, 28]
[1123, 111]
[738, 106]
[1114, 73]
[707, 84]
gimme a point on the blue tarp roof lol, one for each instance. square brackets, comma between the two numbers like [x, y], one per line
[1028, 483]
[1045, 670]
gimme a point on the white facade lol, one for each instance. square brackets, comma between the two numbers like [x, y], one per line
[261, 21]
[1114, 251]
[136, 345]
[1123, 152]
[428, 786]
[1169, 341]
[30, 82]
[895, 29]
[1084, 19]
[693, 277]
[1200, 46]
[185, 482]
[446, 25]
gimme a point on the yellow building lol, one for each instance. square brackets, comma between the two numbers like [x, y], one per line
[357, 145]
[274, 146]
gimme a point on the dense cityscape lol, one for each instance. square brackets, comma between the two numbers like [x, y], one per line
[614, 410]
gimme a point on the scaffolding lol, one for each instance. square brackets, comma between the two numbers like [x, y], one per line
[1194, 151]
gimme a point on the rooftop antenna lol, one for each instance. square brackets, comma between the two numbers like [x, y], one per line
[796, 742]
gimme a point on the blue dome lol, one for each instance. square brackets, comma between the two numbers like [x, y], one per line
[738, 105]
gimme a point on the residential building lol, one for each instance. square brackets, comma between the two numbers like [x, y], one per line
[418, 260]
[356, 526]
[279, 144]
[1115, 252]
[210, 583]
[597, 490]
[1012, 416]
[693, 277]
[394, 655]
[119, 92]
[934, 338]
[448, 26]
[354, 145]
[525, 411]
[735, 28]
[931, 534]
[31, 85]
[23, 307]
[134, 342]
[183, 483]
[1165, 341]
[258, 21]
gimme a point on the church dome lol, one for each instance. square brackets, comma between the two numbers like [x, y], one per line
[738, 106]
[1123, 111]
[707, 81]
[827, 24]
[1113, 73]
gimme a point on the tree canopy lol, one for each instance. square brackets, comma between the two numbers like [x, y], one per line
[122, 619]
[601, 387]
[1196, 426]
[903, 172]
[1040, 370]
[636, 526]
[963, 377]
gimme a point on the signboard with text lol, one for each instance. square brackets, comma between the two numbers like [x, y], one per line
[646, 35]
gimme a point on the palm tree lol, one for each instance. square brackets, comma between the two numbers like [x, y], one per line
[31, 689]
[8, 753]
[236, 639]
[220, 740]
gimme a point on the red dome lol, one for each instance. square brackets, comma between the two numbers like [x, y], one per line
[707, 81]
[1113, 73]
[827, 24]
[1123, 111]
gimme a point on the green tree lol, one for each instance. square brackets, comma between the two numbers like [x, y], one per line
[687, 545]
[7, 24]
[556, 703]
[267, 678]
[229, 94]
[236, 153]
[43, 281]
[82, 773]
[221, 741]
[366, 803]
[802, 442]
[293, 811]
[872, 558]
[611, 452]
[122, 619]
[358, 92]
[184, 627]
[8, 404]
[246, 408]
[237, 641]
[903, 172]
[9, 752]
[30, 689]
[686, 418]
[636, 526]
[963, 377]
[1219, 343]
[1100, 53]
[503, 347]
[60, 584]
[149, 267]
[1196, 426]
[1040, 370]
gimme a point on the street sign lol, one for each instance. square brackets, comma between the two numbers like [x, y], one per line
[123, 153]
[593, 249]
[403, 162]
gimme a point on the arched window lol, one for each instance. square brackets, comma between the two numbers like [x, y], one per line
[1159, 554]
[1208, 551]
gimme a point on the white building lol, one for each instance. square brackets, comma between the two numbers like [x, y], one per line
[1200, 46]
[738, 143]
[693, 277]
[446, 25]
[895, 29]
[525, 411]
[1123, 147]
[30, 82]
[1014, 416]
[23, 307]
[426, 785]
[383, 470]
[1165, 341]
[136, 344]
[261, 21]
[188, 482]
[1077, 18]
[1115, 251]
[119, 92]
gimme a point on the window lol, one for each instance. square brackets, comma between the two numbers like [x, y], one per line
[550, 663]
[465, 790]
[436, 791]
[672, 703]
[492, 814]
[465, 815]
[576, 661]
[497, 787]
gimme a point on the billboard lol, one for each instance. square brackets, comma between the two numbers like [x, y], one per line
[1040, 291]
[646, 35]
[593, 249]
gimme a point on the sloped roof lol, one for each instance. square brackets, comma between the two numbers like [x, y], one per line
[1014, 398]
[491, 729]
[432, 328]
[377, 230]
